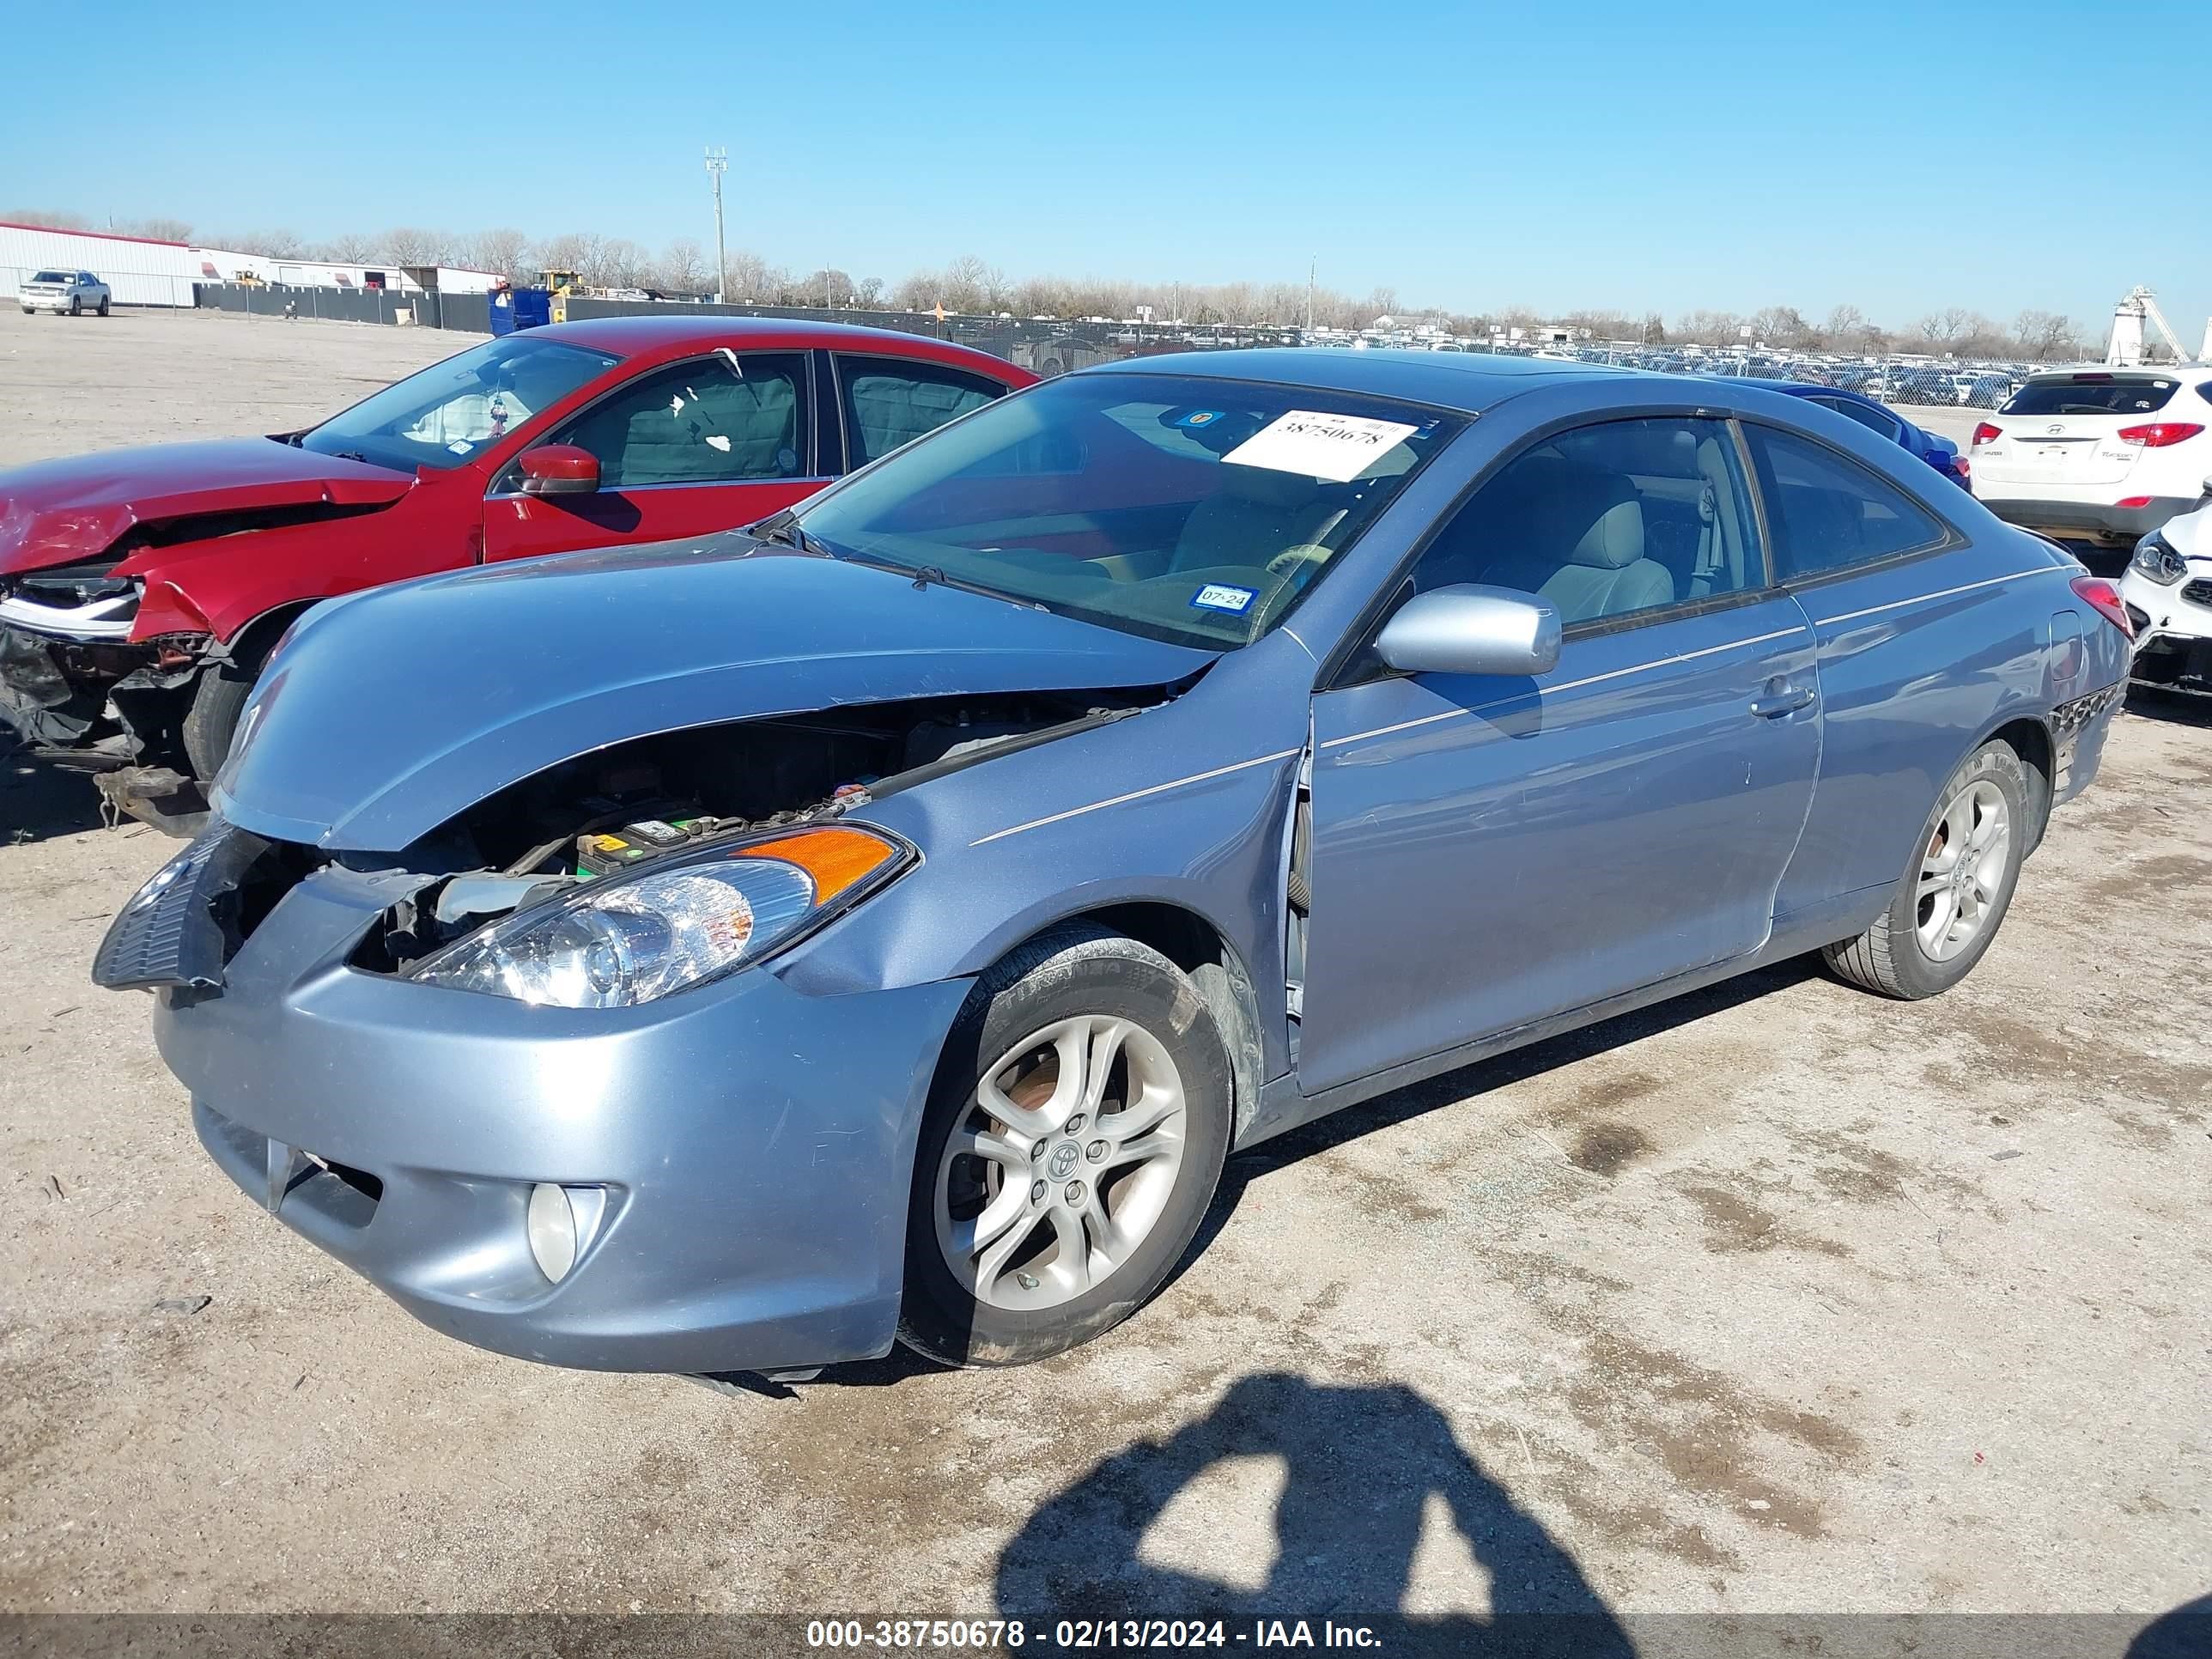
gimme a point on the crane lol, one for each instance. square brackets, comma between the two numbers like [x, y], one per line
[2126, 347]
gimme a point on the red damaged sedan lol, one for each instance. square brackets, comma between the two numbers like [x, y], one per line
[141, 591]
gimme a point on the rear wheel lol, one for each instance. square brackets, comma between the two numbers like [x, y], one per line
[103, 306]
[1074, 1138]
[1947, 908]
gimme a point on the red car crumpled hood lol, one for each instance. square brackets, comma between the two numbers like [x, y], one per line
[55, 512]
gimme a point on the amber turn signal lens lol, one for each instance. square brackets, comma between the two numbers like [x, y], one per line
[835, 858]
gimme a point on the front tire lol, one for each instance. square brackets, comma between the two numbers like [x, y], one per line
[77, 305]
[1953, 897]
[217, 701]
[1074, 1137]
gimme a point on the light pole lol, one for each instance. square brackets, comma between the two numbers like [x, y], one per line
[718, 163]
[1312, 266]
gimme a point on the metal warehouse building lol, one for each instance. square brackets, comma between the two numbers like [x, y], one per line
[141, 271]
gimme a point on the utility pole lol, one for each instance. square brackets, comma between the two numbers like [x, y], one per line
[718, 163]
[1312, 266]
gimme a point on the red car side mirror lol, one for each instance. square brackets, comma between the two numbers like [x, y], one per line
[559, 469]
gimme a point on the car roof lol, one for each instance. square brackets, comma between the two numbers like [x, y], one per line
[1795, 388]
[663, 335]
[2116, 372]
[1468, 382]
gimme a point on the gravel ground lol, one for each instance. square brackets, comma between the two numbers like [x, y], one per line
[1779, 1298]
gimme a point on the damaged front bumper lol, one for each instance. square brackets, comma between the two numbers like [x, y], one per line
[747, 1148]
[76, 691]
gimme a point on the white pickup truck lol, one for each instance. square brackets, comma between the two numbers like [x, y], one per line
[74, 291]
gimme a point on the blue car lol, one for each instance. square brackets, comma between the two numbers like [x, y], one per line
[742, 953]
[1937, 450]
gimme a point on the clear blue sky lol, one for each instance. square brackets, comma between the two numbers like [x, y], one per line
[1608, 154]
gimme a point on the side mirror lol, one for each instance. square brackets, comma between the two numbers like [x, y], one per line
[559, 469]
[2208, 490]
[1468, 629]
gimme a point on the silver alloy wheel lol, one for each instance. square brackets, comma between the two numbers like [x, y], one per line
[1962, 870]
[1062, 1163]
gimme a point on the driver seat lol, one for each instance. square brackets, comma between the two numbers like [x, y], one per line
[1257, 513]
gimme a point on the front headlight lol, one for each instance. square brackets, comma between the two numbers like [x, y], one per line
[630, 939]
[2156, 559]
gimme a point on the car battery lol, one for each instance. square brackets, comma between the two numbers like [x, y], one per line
[609, 852]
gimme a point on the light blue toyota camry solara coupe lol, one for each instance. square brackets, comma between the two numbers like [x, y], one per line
[745, 953]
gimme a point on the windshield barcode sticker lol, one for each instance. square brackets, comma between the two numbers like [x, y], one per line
[1337, 447]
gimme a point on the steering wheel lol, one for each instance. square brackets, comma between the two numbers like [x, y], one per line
[1292, 560]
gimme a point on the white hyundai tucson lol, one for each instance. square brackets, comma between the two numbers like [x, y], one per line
[2098, 455]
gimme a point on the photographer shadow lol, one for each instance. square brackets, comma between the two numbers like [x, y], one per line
[1362, 1464]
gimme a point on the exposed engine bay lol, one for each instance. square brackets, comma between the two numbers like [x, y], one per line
[616, 811]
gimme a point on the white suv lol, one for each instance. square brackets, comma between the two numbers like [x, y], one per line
[2102, 455]
[2168, 588]
[74, 291]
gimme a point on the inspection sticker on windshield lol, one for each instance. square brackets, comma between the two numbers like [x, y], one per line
[1337, 447]
[1220, 596]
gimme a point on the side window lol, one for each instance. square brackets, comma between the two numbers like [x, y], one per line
[889, 401]
[1608, 520]
[1826, 512]
[700, 423]
[1873, 420]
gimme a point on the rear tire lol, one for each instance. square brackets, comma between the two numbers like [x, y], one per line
[1048, 1231]
[212, 721]
[1953, 896]
[103, 308]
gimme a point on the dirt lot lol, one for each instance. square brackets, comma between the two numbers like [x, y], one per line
[1779, 1298]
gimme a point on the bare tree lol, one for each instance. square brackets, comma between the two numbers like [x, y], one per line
[48, 218]
[1944, 327]
[1710, 328]
[411, 245]
[963, 285]
[870, 292]
[683, 267]
[275, 244]
[504, 250]
[2043, 335]
[576, 250]
[160, 229]
[351, 248]
[617, 261]
[828, 286]
[745, 276]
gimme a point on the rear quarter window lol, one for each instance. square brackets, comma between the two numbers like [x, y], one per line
[1826, 512]
[2106, 396]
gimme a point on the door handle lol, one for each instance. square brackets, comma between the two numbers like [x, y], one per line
[1782, 697]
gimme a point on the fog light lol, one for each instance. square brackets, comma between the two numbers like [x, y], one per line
[560, 1224]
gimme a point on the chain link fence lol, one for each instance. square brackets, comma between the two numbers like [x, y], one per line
[1050, 346]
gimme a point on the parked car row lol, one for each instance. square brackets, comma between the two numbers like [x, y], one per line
[746, 949]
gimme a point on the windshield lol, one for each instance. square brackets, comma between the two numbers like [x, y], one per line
[52, 276]
[442, 416]
[2090, 394]
[1184, 508]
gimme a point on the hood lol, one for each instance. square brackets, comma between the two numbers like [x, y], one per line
[389, 711]
[57, 512]
[2190, 534]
